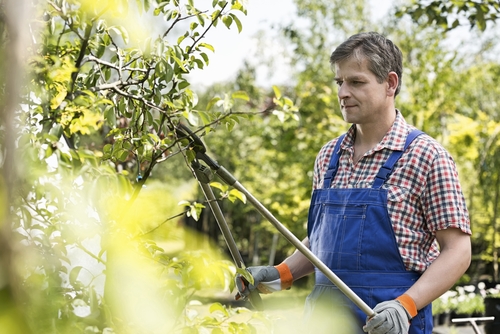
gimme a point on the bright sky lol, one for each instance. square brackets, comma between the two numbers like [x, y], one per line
[232, 47]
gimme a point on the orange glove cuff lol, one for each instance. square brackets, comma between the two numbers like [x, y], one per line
[285, 276]
[409, 304]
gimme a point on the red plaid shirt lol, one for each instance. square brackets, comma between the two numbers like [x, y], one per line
[424, 193]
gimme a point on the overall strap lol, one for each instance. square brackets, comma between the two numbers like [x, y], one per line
[386, 170]
[334, 164]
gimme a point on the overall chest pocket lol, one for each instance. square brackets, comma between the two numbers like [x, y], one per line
[339, 234]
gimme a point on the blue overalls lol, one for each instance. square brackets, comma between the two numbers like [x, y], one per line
[350, 231]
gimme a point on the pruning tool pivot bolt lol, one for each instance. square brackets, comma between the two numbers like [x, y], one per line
[203, 173]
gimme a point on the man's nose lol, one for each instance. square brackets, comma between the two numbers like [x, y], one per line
[343, 91]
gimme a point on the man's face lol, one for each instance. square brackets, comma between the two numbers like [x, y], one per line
[362, 99]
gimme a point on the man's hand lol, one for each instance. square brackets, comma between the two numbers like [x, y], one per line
[267, 279]
[392, 317]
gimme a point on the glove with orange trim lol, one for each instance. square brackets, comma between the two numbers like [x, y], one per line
[267, 279]
[392, 317]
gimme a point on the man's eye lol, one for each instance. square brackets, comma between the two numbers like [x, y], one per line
[339, 83]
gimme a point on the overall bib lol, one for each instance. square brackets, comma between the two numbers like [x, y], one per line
[350, 231]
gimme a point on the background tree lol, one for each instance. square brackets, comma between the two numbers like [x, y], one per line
[451, 14]
[447, 89]
[471, 135]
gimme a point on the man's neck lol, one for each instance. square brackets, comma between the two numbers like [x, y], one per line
[370, 134]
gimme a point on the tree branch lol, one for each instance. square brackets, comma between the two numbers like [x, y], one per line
[206, 30]
[161, 224]
[79, 60]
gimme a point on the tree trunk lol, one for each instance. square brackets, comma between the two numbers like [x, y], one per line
[495, 229]
[274, 245]
[14, 18]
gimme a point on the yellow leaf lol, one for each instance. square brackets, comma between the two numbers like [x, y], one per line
[56, 101]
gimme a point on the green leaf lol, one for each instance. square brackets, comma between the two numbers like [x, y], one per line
[277, 92]
[107, 148]
[212, 102]
[193, 25]
[160, 49]
[191, 155]
[230, 123]
[280, 114]
[218, 307]
[182, 37]
[48, 151]
[243, 272]
[122, 155]
[183, 84]
[236, 5]
[199, 63]
[56, 131]
[169, 72]
[205, 118]
[236, 194]
[155, 137]
[195, 213]
[201, 19]
[237, 21]
[65, 157]
[109, 116]
[220, 186]
[139, 6]
[179, 62]
[147, 5]
[73, 275]
[174, 14]
[481, 22]
[149, 117]
[59, 97]
[288, 102]
[227, 20]
[192, 119]
[205, 57]
[240, 95]
[120, 31]
[207, 46]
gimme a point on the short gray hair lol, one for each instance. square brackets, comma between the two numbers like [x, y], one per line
[382, 54]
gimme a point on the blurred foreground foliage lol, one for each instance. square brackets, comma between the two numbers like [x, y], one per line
[95, 243]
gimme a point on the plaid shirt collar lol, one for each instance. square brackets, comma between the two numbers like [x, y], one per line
[393, 140]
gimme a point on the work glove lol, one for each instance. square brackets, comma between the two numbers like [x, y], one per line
[392, 317]
[266, 279]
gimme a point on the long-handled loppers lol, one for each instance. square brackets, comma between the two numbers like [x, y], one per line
[201, 171]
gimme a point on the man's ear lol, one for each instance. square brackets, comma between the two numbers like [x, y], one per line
[392, 83]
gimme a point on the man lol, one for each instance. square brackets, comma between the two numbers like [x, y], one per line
[387, 212]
